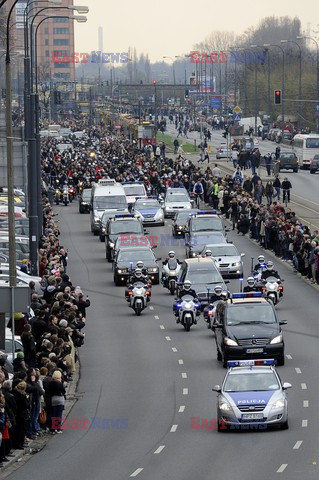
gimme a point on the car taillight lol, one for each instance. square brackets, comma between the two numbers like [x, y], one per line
[130, 293]
[280, 287]
[148, 293]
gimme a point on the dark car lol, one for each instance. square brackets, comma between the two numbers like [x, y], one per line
[85, 200]
[205, 221]
[288, 161]
[314, 164]
[125, 226]
[180, 221]
[125, 261]
[247, 327]
[196, 241]
[203, 275]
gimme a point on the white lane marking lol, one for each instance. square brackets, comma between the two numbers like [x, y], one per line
[305, 404]
[289, 357]
[297, 445]
[298, 370]
[304, 423]
[174, 428]
[181, 409]
[168, 339]
[174, 349]
[159, 449]
[134, 474]
[156, 317]
[151, 308]
[162, 327]
[181, 362]
[282, 467]
[184, 375]
[185, 391]
[303, 386]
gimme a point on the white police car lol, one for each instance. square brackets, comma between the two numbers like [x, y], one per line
[150, 211]
[252, 396]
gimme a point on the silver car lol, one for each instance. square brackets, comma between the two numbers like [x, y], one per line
[252, 397]
[176, 199]
[227, 258]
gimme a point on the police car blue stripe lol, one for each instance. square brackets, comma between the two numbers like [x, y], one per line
[250, 398]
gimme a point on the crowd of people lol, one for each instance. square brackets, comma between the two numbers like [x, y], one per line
[35, 392]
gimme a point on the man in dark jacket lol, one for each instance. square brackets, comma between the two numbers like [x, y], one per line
[83, 304]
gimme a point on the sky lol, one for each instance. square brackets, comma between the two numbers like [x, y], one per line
[172, 27]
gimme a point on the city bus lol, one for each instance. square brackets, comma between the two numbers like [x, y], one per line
[306, 147]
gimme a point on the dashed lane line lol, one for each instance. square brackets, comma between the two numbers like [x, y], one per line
[303, 386]
[305, 403]
[134, 474]
[282, 467]
[159, 449]
[181, 362]
[174, 428]
[298, 370]
[304, 423]
[162, 327]
[174, 349]
[297, 445]
[168, 338]
[185, 391]
[184, 375]
[289, 357]
[181, 409]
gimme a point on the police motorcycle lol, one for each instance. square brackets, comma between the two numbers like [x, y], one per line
[209, 312]
[272, 289]
[65, 195]
[138, 297]
[259, 268]
[187, 307]
[170, 272]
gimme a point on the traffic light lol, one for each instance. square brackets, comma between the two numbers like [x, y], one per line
[277, 97]
[154, 82]
[150, 117]
[186, 93]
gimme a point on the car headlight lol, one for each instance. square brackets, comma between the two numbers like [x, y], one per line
[158, 214]
[180, 227]
[236, 264]
[111, 244]
[103, 229]
[230, 342]
[224, 406]
[278, 404]
[277, 339]
[188, 207]
[122, 270]
[152, 269]
[96, 218]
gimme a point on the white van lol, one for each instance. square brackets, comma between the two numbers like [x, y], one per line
[106, 195]
[305, 147]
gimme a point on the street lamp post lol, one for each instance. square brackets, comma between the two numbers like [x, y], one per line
[174, 78]
[317, 47]
[282, 80]
[256, 92]
[299, 89]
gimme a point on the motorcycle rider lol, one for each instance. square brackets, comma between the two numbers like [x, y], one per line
[252, 285]
[261, 265]
[171, 261]
[141, 266]
[215, 297]
[137, 277]
[270, 272]
[186, 290]
[208, 253]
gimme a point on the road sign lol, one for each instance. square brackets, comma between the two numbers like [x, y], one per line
[237, 117]
[237, 109]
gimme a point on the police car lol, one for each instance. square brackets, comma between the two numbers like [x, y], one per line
[252, 396]
[150, 211]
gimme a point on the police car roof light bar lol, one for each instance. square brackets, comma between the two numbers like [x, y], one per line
[251, 363]
[125, 215]
[206, 212]
[247, 295]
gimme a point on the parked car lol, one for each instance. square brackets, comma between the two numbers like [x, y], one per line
[314, 164]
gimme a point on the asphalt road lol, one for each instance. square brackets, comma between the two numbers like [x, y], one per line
[151, 372]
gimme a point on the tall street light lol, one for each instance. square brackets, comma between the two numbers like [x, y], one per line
[267, 45]
[174, 78]
[317, 46]
[299, 89]
[256, 92]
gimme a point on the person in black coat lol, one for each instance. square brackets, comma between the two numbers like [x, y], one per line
[23, 414]
[28, 343]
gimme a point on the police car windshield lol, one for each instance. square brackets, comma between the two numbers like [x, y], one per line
[134, 189]
[251, 382]
[125, 227]
[223, 250]
[183, 216]
[204, 224]
[177, 198]
[250, 314]
[204, 276]
[132, 255]
[148, 204]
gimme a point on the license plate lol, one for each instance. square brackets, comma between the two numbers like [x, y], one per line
[254, 350]
[252, 416]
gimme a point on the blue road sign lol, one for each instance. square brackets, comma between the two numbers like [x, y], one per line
[237, 117]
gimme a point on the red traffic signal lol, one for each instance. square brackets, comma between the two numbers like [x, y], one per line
[154, 82]
[277, 97]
